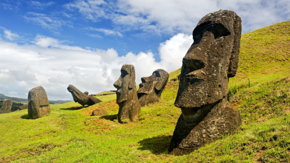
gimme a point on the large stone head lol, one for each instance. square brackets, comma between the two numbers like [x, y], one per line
[125, 83]
[210, 61]
[151, 87]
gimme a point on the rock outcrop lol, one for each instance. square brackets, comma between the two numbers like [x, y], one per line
[38, 104]
[151, 87]
[203, 88]
[82, 98]
[127, 99]
[22, 107]
[7, 106]
[99, 111]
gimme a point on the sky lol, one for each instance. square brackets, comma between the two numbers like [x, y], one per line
[54, 43]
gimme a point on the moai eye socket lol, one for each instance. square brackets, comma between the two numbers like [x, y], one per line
[124, 73]
[217, 29]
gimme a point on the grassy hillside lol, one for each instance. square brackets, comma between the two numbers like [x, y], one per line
[261, 93]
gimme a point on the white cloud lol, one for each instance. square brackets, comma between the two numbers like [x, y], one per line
[45, 21]
[89, 8]
[175, 16]
[9, 35]
[41, 5]
[54, 65]
[106, 31]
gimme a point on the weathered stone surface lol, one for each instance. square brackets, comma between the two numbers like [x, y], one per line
[127, 99]
[207, 66]
[7, 106]
[22, 107]
[38, 104]
[151, 87]
[99, 111]
[82, 98]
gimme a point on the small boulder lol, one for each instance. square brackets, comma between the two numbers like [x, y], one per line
[38, 104]
[99, 111]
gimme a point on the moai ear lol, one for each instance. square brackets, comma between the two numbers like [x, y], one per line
[234, 59]
[163, 79]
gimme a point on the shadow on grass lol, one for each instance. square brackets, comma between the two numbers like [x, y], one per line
[74, 108]
[26, 116]
[157, 145]
[109, 117]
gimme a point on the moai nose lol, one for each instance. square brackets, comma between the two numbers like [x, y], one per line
[118, 84]
[196, 57]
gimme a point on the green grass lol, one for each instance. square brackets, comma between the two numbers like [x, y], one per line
[260, 92]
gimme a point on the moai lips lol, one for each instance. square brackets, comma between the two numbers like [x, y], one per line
[127, 99]
[207, 66]
[151, 87]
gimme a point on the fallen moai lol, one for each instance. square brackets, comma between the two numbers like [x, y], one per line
[38, 104]
[82, 98]
[127, 99]
[7, 106]
[203, 88]
[151, 87]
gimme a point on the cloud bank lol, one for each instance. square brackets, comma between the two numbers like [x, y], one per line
[54, 65]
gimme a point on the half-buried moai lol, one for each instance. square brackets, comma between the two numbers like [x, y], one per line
[82, 98]
[38, 104]
[127, 98]
[7, 106]
[151, 87]
[202, 96]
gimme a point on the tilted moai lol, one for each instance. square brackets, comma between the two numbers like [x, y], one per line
[38, 104]
[82, 98]
[202, 95]
[7, 106]
[127, 99]
[151, 87]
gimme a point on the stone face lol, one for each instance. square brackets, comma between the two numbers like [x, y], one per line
[99, 111]
[7, 106]
[82, 98]
[38, 104]
[127, 99]
[207, 66]
[151, 87]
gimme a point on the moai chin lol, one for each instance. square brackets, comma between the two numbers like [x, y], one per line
[203, 88]
[151, 87]
[127, 99]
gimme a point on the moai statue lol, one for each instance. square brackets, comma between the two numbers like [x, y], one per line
[38, 104]
[151, 87]
[7, 106]
[82, 98]
[127, 99]
[202, 96]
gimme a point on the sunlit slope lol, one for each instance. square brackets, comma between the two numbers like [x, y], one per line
[266, 50]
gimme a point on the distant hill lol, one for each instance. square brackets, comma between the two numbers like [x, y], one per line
[23, 100]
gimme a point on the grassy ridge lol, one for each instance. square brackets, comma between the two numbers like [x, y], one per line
[261, 93]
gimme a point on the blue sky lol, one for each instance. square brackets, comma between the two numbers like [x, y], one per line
[55, 43]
